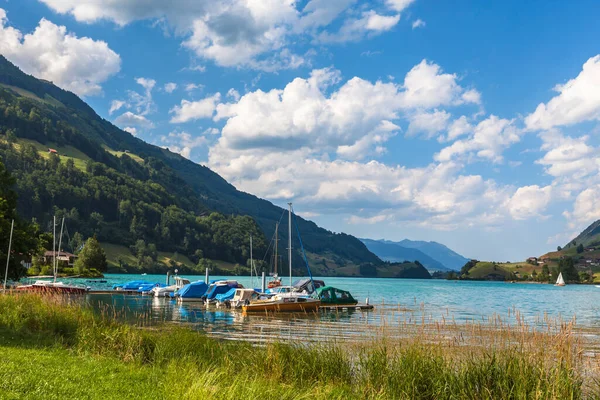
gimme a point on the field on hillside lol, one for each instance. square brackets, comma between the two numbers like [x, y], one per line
[115, 251]
[64, 152]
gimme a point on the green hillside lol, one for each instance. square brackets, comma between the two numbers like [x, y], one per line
[108, 183]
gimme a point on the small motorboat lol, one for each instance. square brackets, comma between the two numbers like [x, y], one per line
[284, 302]
[334, 297]
[166, 291]
[54, 288]
[194, 291]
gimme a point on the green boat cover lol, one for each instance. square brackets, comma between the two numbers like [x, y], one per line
[333, 296]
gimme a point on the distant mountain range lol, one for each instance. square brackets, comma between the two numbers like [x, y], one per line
[434, 256]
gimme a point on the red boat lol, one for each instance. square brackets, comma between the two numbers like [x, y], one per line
[53, 288]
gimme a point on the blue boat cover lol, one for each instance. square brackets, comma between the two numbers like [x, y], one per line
[226, 296]
[133, 285]
[149, 286]
[219, 289]
[193, 290]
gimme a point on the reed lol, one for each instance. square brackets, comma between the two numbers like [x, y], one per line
[439, 360]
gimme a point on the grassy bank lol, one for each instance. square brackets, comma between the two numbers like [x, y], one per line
[51, 349]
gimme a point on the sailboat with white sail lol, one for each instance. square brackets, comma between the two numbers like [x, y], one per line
[560, 281]
[290, 301]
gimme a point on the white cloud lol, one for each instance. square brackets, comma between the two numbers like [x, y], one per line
[233, 94]
[427, 87]
[428, 123]
[131, 130]
[193, 110]
[170, 87]
[116, 105]
[353, 29]
[586, 208]
[183, 142]
[459, 127]
[241, 33]
[399, 5]
[578, 100]
[50, 52]
[489, 139]
[376, 219]
[472, 96]
[529, 201]
[193, 86]
[129, 119]
[567, 157]
[419, 23]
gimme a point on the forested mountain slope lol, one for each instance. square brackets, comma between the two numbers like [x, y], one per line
[112, 184]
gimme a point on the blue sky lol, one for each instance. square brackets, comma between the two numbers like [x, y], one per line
[471, 123]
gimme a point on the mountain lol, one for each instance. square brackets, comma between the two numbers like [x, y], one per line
[393, 252]
[111, 184]
[433, 255]
[590, 237]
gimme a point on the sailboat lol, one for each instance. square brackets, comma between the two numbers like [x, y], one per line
[290, 301]
[560, 281]
[276, 279]
[53, 286]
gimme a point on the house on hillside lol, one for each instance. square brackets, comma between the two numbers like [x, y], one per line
[60, 256]
[52, 151]
[532, 260]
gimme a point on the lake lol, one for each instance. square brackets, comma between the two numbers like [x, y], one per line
[398, 303]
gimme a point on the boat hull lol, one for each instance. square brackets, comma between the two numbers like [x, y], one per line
[53, 289]
[309, 306]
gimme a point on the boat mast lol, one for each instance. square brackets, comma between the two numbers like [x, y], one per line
[12, 225]
[276, 245]
[290, 240]
[54, 247]
[62, 225]
[251, 263]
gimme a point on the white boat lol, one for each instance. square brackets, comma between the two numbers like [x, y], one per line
[245, 296]
[166, 291]
[560, 281]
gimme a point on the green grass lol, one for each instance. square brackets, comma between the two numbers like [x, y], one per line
[54, 349]
[114, 251]
[120, 154]
[25, 93]
[64, 152]
[484, 270]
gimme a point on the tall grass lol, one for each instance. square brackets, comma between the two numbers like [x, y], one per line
[502, 362]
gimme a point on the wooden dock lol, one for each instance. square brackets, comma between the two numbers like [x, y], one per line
[355, 307]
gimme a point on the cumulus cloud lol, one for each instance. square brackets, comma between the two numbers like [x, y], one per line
[182, 142]
[77, 64]
[426, 86]
[568, 157]
[131, 130]
[190, 87]
[529, 201]
[586, 208]
[488, 141]
[428, 124]
[170, 87]
[255, 34]
[129, 119]
[193, 110]
[578, 100]
[458, 127]
[369, 23]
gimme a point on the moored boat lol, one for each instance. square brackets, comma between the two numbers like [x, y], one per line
[334, 297]
[53, 288]
[285, 302]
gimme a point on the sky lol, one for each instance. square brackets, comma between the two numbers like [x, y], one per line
[474, 124]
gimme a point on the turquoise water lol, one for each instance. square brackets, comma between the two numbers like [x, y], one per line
[397, 302]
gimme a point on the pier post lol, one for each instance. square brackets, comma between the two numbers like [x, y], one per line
[263, 281]
[168, 277]
[206, 276]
